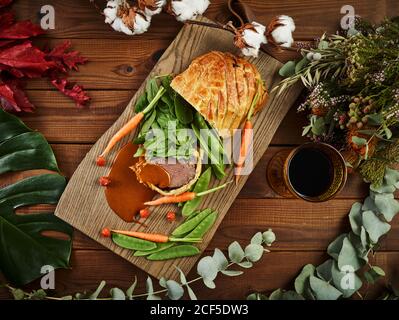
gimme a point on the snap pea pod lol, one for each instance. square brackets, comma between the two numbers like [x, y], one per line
[218, 169]
[203, 226]
[200, 186]
[184, 250]
[190, 225]
[214, 139]
[160, 247]
[132, 243]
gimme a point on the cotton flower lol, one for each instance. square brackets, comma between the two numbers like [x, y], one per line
[187, 9]
[151, 7]
[249, 38]
[280, 29]
[124, 18]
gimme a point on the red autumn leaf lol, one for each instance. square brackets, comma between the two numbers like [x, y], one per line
[20, 30]
[65, 60]
[73, 91]
[13, 98]
[27, 58]
[4, 3]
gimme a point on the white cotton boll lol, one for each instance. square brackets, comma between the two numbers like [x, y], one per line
[119, 26]
[189, 9]
[110, 11]
[254, 39]
[288, 22]
[141, 24]
[282, 35]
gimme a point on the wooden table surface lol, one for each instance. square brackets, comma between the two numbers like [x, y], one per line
[117, 66]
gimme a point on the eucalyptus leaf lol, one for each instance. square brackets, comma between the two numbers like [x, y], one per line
[387, 205]
[162, 282]
[324, 270]
[236, 254]
[375, 119]
[301, 64]
[220, 259]
[175, 290]
[374, 226]
[207, 268]
[335, 247]
[288, 69]
[117, 294]
[359, 141]
[369, 204]
[96, 293]
[319, 126]
[355, 217]
[209, 283]
[150, 290]
[257, 238]
[245, 264]
[345, 281]
[191, 293]
[183, 279]
[232, 273]
[302, 279]
[348, 256]
[253, 252]
[323, 290]
[130, 290]
[391, 177]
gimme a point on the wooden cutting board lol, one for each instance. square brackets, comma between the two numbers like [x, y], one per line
[83, 203]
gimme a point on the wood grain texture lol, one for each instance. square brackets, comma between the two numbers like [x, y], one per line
[83, 203]
[79, 19]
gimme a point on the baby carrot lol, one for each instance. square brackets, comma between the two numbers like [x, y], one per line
[183, 197]
[245, 143]
[128, 127]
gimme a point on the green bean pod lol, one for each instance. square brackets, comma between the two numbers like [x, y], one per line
[190, 225]
[202, 228]
[200, 186]
[184, 250]
[160, 247]
[132, 243]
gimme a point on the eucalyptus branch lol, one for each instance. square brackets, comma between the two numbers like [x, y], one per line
[208, 268]
[340, 276]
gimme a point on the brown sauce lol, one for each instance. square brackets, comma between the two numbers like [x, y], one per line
[155, 174]
[125, 194]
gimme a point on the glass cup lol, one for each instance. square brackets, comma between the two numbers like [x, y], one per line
[313, 172]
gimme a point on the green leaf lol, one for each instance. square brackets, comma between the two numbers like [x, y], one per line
[345, 281]
[245, 264]
[359, 141]
[220, 259]
[335, 247]
[355, 217]
[375, 119]
[301, 64]
[285, 295]
[232, 273]
[374, 274]
[23, 248]
[130, 291]
[236, 254]
[151, 89]
[348, 256]
[288, 69]
[191, 293]
[324, 270]
[391, 177]
[183, 110]
[378, 271]
[301, 281]
[256, 296]
[207, 268]
[253, 252]
[96, 293]
[323, 290]
[175, 290]
[117, 294]
[323, 45]
[141, 103]
[150, 290]
[387, 205]
[209, 283]
[374, 226]
[319, 126]
[257, 238]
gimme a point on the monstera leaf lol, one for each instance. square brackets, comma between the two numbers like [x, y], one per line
[25, 247]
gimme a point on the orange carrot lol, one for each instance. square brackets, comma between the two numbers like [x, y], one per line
[245, 143]
[154, 237]
[126, 129]
[183, 197]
